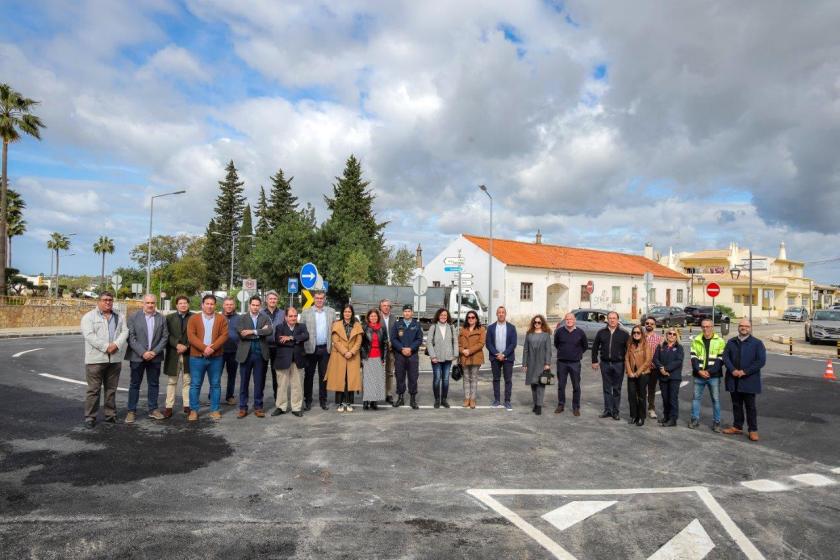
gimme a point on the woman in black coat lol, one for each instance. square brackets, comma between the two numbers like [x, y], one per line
[668, 361]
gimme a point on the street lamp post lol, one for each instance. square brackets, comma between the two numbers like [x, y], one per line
[490, 267]
[233, 240]
[735, 271]
[149, 245]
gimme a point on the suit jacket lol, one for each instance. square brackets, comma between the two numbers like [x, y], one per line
[138, 337]
[264, 332]
[292, 350]
[309, 321]
[195, 333]
[510, 342]
[177, 335]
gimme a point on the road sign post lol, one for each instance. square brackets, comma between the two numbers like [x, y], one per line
[713, 291]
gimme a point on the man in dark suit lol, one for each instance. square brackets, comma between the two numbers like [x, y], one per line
[501, 344]
[177, 363]
[253, 331]
[289, 362]
[147, 338]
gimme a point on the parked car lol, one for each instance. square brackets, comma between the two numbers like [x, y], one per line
[795, 314]
[697, 313]
[823, 326]
[665, 316]
[591, 321]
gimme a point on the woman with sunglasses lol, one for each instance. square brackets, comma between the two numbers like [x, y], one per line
[668, 361]
[536, 358]
[637, 363]
[471, 340]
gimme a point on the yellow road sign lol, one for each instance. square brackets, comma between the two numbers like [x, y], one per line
[307, 298]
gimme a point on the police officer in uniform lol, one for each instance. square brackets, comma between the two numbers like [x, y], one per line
[406, 338]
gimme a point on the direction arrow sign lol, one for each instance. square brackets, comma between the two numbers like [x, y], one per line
[452, 269]
[308, 275]
[307, 299]
[453, 260]
[713, 289]
[465, 275]
[466, 282]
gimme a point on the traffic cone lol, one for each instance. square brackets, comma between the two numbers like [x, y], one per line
[829, 371]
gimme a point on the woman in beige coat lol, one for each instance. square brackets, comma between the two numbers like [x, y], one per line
[471, 340]
[344, 374]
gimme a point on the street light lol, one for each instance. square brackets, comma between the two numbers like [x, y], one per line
[233, 240]
[149, 246]
[490, 267]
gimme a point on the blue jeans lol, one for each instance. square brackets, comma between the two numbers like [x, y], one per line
[253, 365]
[213, 368]
[152, 371]
[713, 383]
[440, 382]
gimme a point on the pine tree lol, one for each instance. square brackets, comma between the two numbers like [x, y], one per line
[223, 229]
[245, 249]
[281, 202]
[263, 228]
[352, 228]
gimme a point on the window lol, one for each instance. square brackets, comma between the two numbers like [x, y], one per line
[736, 298]
[652, 296]
[679, 296]
[584, 295]
[791, 300]
[436, 283]
[616, 294]
[526, 291]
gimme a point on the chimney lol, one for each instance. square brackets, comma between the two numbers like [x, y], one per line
[418, 256]
[649, 250]
[670, 257]
[782, 252]
[539, 238]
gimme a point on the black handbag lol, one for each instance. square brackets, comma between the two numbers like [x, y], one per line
[547, 378]
[457, 372]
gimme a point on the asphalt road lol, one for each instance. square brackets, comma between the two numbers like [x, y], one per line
[413, 484]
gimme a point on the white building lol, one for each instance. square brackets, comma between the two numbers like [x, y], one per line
[537, 278]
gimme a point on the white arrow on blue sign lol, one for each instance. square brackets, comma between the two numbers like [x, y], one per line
[293, 285]
[308, 275]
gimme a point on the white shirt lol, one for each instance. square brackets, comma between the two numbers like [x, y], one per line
[208, 328]
[442, 330]
[501, 336]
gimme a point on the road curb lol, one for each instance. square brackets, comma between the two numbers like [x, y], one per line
[35, 335]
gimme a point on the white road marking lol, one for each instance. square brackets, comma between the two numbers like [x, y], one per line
[486, 496]
[575, 512]
[68, 380]
[813, 479]
[692, 543]
[764, 485]
[19, 354]
[683, 384]
[837, 470]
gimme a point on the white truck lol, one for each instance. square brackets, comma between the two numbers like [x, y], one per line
[367, 296]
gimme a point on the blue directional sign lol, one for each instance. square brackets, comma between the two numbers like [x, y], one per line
[308, 275]
[326, 285]
[453, 268]
[293, 285]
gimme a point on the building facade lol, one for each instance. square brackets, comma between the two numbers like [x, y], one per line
[537, 278]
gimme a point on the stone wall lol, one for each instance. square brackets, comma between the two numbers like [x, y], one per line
[26, 312]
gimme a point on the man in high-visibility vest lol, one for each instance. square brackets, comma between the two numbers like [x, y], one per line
[707, 367]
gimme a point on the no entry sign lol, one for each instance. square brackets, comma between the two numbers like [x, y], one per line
[713, 289]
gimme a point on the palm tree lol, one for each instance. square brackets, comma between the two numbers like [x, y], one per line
[15, 224]
[103, 245]
[57, 242]
[15, 118]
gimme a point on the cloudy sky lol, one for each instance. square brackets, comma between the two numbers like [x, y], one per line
[688, 124]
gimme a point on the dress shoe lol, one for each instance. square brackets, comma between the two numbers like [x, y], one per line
[242, 413]
[365, 406]
[640, 421]
[560, 408]
[605, 414]
[110, 419]
[437, 403]
[187, 410]
[399, 402]
[130, 417]
[670, 423]
[444, 403]
[389, 400]
[90, 422]
[732, 431]
[259, 413]
[616, 417]
[297, 413]
[538, 410]
[324, 405]
[278, 412]
[576, 412]
[631, 420]
[307, 406]
[167, 413]
[374, 405]
[472, 403]
[413, 402]
[215, 415]
[753, 436]
[466, 403]
[156, 415]
[230, 401]
[193, 417]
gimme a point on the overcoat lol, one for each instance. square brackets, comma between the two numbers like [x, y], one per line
[339, 364]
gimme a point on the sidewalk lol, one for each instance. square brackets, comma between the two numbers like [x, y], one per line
[22, 332]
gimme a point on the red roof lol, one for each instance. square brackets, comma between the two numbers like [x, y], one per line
[556, 257]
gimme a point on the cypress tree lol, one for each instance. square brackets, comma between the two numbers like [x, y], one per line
[261, 212]
[223, 229]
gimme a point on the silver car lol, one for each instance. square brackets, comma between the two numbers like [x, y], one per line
[590, 321]
[795, 314]
[823, 326]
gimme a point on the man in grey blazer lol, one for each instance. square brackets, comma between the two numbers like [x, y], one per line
[318, 320]
[253, 353]
[147, 338]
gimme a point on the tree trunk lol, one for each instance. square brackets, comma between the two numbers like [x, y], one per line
[9, 253]
[3, 204]
[56, 273]
[102, 276]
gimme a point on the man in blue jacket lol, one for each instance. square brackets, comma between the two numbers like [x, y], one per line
[406, 338]
[501, 344]
[570, 342]
[744, 356]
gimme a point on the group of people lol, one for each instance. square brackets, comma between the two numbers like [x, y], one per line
[377, 357]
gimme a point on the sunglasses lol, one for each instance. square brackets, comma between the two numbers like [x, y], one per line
[672, 334]
[538, 322]
[637, 333]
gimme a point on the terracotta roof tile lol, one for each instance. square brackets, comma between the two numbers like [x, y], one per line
[556, 257]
